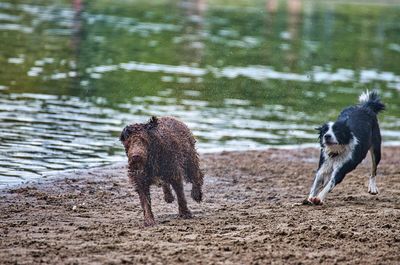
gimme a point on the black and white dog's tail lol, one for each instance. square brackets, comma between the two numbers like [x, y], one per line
[371, 100]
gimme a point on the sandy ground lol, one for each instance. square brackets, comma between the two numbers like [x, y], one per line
[252, 214]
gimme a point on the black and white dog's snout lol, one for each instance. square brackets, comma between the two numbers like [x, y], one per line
[329, 139]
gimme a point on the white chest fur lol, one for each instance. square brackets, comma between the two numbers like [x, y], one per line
[336, 155]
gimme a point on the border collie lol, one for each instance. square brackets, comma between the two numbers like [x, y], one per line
[345, 143]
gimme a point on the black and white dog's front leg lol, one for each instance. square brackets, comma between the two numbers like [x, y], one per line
[319, 200]
[324, 170]
[317, 183]
[337, 176]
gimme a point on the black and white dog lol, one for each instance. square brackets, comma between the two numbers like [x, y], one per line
[345, 143]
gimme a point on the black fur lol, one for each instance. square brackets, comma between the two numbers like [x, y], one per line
[342, 132]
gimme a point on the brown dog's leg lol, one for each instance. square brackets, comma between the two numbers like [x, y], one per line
[168, 196]
[197, 193]
[184, 211]
[144, 196]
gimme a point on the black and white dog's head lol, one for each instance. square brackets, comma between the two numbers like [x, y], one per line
[334, 137]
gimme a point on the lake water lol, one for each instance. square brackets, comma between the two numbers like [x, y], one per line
[243, 76]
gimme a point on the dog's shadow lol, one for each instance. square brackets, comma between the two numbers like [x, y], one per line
[363, 200]
[168, 218]
[360, 200]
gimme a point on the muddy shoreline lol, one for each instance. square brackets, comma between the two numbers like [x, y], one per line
[251, 214]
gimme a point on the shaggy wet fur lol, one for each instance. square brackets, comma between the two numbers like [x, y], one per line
[162, 152]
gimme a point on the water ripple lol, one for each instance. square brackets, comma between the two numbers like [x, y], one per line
[255, 72]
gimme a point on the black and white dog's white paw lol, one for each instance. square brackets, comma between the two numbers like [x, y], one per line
[313, 201]
[372, 188]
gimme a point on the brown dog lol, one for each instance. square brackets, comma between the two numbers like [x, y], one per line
[162, 151]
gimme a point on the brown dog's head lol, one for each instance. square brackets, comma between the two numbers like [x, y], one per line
[136, 140]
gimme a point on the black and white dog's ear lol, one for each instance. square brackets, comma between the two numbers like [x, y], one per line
[125, 133]
[322, 129]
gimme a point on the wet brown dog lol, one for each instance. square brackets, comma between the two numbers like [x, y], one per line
[162, 151]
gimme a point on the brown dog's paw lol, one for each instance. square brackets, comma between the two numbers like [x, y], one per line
[315, 201]
[186, 215]
[149, 222]
[169, 198]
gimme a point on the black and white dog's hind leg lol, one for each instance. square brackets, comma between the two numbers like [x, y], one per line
[375, 158]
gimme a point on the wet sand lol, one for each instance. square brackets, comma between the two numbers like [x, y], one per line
[251, 214]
